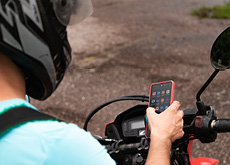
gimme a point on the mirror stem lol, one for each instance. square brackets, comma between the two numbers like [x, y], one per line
[206, 84]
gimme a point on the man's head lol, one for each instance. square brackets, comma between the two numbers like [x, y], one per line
[33, 35]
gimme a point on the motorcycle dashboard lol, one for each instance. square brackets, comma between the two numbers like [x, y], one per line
[129, 124]
[133, 127]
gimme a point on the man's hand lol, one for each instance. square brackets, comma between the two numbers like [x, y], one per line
[166, 125]
[165, 128]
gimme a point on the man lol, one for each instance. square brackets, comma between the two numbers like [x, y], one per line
[34, 54]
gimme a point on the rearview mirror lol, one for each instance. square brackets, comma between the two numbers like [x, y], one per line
[220, 53]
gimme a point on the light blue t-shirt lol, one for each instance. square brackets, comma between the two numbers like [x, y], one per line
[49, 143]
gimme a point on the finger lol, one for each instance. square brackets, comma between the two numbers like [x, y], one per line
[149, 111]
[181, 134]
[174, 106]
[180, 113]
[182, 124]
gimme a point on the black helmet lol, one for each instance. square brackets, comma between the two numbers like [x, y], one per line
[33, 34]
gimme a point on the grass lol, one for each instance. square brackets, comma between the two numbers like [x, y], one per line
[213, 12]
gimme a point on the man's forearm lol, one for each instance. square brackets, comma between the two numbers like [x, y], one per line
[159, 152]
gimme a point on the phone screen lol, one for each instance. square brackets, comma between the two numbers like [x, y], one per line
[161, 95]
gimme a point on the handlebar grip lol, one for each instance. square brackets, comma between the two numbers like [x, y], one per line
[221, 125]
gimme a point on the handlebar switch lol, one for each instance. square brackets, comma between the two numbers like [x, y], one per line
[198, 121]
[203, 130]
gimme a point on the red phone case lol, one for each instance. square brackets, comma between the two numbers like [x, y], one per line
[172, 90]
[171, 98]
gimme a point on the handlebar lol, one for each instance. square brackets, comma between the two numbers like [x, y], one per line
[118, 146]
[130, 148]
[221, 125]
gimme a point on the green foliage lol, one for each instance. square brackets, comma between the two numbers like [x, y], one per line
[213, 12]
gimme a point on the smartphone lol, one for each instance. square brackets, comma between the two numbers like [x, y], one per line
[160, 97]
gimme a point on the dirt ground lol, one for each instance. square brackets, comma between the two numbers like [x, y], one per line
[127, 45]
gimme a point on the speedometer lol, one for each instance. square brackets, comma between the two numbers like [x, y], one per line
[134, 127]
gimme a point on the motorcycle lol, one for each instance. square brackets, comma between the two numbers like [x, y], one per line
[125, 137]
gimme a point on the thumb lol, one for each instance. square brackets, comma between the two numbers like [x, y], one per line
[150, 110]
[173, 107]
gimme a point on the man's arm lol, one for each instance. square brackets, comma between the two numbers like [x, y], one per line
[165, 128]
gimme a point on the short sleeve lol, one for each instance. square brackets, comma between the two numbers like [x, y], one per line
[78, 147]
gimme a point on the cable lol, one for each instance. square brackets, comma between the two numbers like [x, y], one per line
[142, 98]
